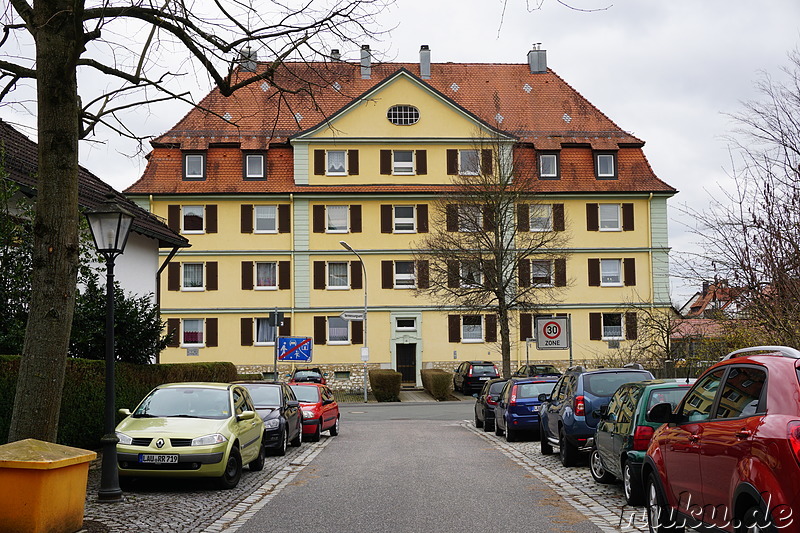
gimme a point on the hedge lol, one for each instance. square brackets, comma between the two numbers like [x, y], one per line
[385, 384]
[83, 400]
[438, 383]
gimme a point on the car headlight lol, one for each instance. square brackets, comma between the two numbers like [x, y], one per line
[308, 414]
[208, 440]
[123, 438]
[272, 423]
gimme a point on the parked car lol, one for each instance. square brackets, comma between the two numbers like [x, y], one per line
[307, 375]
[517, 410]
[567, 419]
[487, 399]
[470, 375]
[729, 455]
[529, 371]
[623, 433]
[192, 430]
[320, 410]
[277, 406]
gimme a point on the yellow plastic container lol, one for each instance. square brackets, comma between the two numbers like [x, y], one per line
[42, 487]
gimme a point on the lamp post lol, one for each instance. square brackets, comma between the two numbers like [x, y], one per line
[110, 225]
[365, 350]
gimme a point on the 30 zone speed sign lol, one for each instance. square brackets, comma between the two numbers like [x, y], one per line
[552, 333]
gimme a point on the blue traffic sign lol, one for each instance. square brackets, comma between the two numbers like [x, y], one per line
[294, 349]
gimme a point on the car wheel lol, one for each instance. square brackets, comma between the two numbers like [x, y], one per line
[755, 522]
[284, 443]
[233, 470]
[488, 425]
[316, 435]
[497, 429]
[335, 428]
[567, 452]
[660, 518]
[257, 464]
[511, 435]
[544, 445]
[478, 421]
[599, 473]
[632, 486]
[298, 440]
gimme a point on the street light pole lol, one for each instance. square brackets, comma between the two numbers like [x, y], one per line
[365, 355]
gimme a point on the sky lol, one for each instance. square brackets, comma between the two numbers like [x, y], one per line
[667, 71]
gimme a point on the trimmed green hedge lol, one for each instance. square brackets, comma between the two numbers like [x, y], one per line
[385, 384]
[83, 400]
[438, 383]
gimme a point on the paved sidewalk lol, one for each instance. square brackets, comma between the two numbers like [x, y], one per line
[415, 396]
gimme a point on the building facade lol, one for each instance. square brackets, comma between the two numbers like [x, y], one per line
[268, 185]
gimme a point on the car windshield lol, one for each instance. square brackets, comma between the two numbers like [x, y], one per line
[496, 387]
[604, 384]
[265, 395]
[185, 402]
[671, 396]
[306, 394]
[306, 374]
[544, 369]
[483, 369]
[533, 390]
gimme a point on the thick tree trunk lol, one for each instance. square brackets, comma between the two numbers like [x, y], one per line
[58, 32]
[505, 340]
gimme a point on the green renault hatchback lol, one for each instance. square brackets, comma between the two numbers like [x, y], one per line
[623, 432]
[192, 430]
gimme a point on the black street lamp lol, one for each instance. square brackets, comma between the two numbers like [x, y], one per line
[110, 224]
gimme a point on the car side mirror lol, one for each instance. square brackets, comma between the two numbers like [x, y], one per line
[543, 397]
[327, 402]
[455, 370]
[125, 412]
[661, 414]
[293, 403]
[246, 415]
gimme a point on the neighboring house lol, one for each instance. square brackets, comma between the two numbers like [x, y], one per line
[265, 187]
[137, 268]
[713, 301]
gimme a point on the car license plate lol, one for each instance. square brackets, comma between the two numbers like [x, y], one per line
[157, 458]
[484, 378]
[534, 408]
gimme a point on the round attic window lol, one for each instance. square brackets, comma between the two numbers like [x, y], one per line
[403, 115]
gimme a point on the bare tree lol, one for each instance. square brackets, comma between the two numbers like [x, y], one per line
[126, 53]
[494, 246]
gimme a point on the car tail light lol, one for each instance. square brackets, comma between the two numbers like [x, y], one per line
[579, 406]
[794, 438]
[470, 372]
[641, 437]
[490, 400]
[497, 372]
[513, 396]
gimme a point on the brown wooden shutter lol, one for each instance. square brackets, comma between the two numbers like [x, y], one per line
[212, 332]
[355, 219]
[247, 275]
[489, 222]
[387, 274]
[558, 217]
[174, 277]
[212, 276]
[211, 218]
[525, 326]
[319, 162]
[318, 218]
[247, 331]
[421, 162]
[629, 271]
[174, 217]
[285, 330]
[453, 274]
[284, 275]
[174, 328]
[247, 218]
[491, 328]
[352, 162]
[592, 217]
[320, 330]
[454, 328]
[595, 326]
[523, 217]
[452, 162]
[386, 218]
[487, 169]
[284, 219]
[630, 326]
[423, 277]
[627, 217]
[560, 272]
[356, 332]
[356, 280]
[319, 274]
[422, 218]
[386, 162]
[524, 267]
[451, 214]
[594, 272]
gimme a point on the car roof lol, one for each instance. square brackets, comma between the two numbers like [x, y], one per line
[535, 379]
[256, 382]
[481, 362]
[196, 385]
[658, 383]
[306, 384]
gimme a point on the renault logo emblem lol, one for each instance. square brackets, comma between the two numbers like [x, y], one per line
[160, 443]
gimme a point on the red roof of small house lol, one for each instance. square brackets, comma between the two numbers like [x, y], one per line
[696, 327]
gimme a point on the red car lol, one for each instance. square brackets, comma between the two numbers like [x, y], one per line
[320, 410]
[729, 455]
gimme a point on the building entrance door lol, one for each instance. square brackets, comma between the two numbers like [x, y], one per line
[407, 362]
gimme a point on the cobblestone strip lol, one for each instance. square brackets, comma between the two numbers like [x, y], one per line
[603, 505]
[247, 508]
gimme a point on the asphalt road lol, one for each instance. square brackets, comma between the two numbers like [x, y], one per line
[414, 468]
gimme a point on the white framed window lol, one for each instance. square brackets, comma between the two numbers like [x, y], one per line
[254, 166]
[265, 332]
[192, 332]
[265, 219]
[194, 166]
[611, 272]
[338, 275]
[471, 275]
[470, 218]
[404, 219]
[338, 330]
[471, 328]
[336, 162]
[336, 216]
[266, 276]
[542, 273]
[541, 217]
[405, 324]
[192, 277]
[612, 326]
[403, 115]
[606, 164]
[193, 218]
[404, 275]
[403, 162]
[469, 162]
[548, 166]
[610, 218]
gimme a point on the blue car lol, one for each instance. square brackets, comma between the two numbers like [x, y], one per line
[517, 409]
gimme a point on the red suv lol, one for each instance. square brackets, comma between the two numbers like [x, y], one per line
[729, 455]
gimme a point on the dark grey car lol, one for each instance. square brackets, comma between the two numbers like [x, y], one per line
[278, 407]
